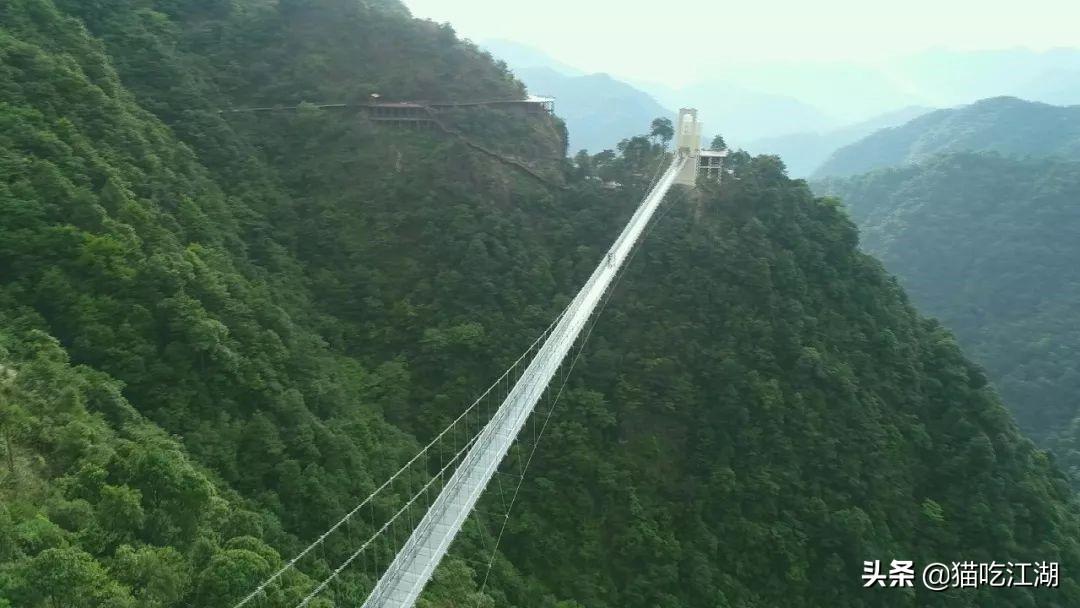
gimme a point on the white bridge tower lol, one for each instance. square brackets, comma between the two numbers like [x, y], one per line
[688, 141]
[700, 163]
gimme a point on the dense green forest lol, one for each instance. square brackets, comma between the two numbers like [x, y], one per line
[988, 245]
[1005, 125]
[219, 331]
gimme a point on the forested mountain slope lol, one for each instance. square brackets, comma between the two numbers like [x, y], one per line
[805, 151]
[988, 245]
[1007, 125]
[219, 331]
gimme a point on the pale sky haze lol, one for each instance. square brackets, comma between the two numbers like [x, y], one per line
[676, 43]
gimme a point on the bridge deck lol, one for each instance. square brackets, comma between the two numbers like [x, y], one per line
[403, 581]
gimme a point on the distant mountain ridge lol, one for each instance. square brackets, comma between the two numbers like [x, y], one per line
[602, 109]
[946, 77]
[804, 152]
[599, 110]
[1006, 125]
[753, 104]
[521, 56]
[855, 91]
[742, 114]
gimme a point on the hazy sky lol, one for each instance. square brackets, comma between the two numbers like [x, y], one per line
[674, 43]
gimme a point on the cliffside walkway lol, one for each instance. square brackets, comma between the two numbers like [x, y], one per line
[533, 103]
[426, 113]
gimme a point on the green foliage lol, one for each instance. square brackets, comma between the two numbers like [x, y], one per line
[983, 243]
[782, 420]
[160, 576]
[68, 577]
[662, 129]
[220, 330]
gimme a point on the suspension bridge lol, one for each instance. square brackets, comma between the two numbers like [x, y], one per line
[393, 540]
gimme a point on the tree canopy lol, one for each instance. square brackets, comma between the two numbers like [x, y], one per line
[219, 330]
[984, 243]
